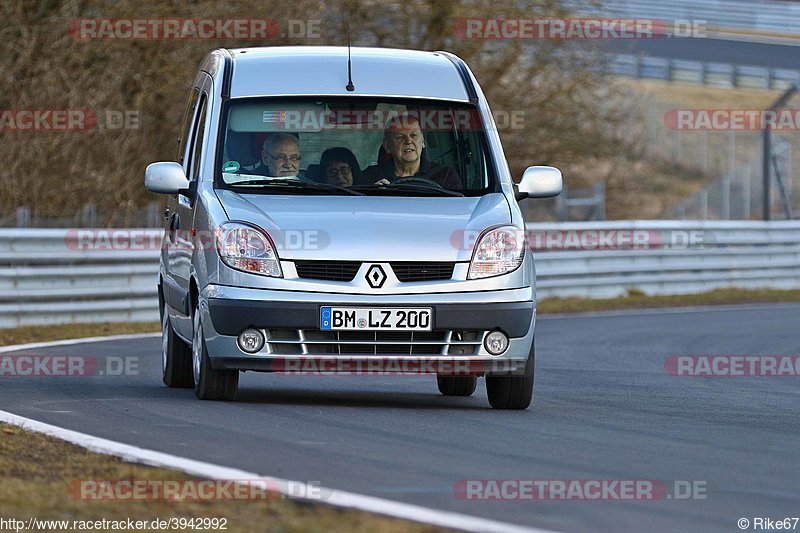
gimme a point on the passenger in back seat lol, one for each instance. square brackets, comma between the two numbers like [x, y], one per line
[339, 167]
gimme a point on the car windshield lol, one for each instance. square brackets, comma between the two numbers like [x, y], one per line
[355, 146]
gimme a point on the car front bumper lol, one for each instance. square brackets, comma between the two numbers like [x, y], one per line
[227, 311]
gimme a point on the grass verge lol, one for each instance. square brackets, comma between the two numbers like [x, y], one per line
[26, 334]
[703, 96]
[639, 300]
[37, 471]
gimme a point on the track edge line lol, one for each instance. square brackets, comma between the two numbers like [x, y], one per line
[337, 498]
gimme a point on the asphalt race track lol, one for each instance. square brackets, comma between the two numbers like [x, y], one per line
[772, 55]
[604, 408]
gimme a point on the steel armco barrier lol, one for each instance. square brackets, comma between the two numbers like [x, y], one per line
[775, 16]
[46, 277]
[664, 257]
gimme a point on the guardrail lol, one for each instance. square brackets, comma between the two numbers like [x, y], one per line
[48, 276]
[722, 75]
[762, 16]
[45, 278]
[664, 257]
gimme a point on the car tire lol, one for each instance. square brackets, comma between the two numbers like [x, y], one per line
[210, 384]
[457, 385]
[176, 356]
[514, 391]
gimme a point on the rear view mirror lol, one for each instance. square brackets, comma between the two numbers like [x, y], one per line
[540, 182]
[165, 178]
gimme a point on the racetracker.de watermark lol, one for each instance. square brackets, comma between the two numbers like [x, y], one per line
[140, 490]
[55, 366]
[732, 366]
[732, 119]
[577, 28]
[132, 240]
[133, 29]
[579, 489]
[135, 240]
[596, 239]
[46, 120]
[383, 365]
[296, 120]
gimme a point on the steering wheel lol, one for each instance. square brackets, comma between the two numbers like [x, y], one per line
[417, 181]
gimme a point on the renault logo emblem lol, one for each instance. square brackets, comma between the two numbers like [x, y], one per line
[376, 276]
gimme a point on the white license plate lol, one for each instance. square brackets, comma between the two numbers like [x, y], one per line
[375, 319]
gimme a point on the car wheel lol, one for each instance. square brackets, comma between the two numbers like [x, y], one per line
[457, 385]
[210, 384]
[176, 356]
[512, 392]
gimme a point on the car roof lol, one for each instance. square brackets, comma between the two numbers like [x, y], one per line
[322, 70]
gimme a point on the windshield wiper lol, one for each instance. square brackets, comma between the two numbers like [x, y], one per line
[296, 184]
[403, 187]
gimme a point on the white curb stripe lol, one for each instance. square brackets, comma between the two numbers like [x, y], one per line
[338, 498]
[69, 342]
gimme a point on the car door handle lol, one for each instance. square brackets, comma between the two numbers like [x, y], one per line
[174, 227]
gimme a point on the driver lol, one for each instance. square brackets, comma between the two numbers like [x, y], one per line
[403, 141]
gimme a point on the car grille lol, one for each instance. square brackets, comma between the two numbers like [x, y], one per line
[415, 271]
[327, 270]
[405, 271]
[316, 342]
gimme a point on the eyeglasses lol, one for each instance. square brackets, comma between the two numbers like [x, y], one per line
[283, 159]
[344, 170]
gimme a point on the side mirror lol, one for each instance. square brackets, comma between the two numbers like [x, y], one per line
[540, 182]
[166, 178]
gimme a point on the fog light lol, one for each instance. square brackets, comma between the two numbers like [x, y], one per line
[251, 340]
[496, 342]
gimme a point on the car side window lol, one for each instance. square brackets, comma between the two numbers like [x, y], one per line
[188, 115]
[197, 141]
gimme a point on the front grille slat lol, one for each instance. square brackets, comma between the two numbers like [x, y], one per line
[405, 271]
[409, 271]
[314, 341]
[327, 270]
[371, 342]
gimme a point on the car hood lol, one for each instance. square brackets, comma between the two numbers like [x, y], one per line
[369, 228]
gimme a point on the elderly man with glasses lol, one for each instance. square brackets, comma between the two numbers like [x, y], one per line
[280, 157]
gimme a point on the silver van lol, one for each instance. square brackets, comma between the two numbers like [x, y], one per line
[345, 211]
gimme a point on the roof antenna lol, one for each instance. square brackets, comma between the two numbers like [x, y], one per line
[350, 87]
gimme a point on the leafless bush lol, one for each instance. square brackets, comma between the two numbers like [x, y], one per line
[557, 85]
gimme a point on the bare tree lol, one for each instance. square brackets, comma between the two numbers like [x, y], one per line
[558, 87]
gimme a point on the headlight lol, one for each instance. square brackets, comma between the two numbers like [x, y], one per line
[499, 251]
[246, 248]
